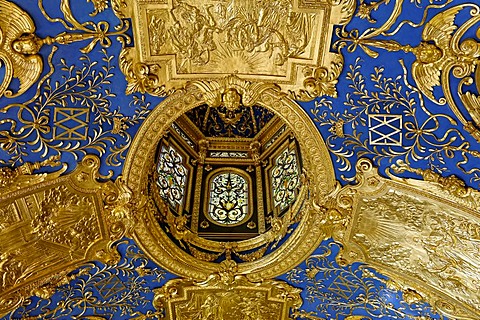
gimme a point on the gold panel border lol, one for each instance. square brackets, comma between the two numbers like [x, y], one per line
[105, 203]
[219, 297]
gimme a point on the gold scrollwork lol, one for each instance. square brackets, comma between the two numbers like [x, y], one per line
[238, 298]
[274, 42]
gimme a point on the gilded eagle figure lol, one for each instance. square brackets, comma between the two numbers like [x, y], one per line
[19, 48]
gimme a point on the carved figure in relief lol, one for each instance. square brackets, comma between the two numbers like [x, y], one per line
[10, 269]
[268, 30]
[433, 57]
[443, 49]
[19, 46]
[438, 50]
[192, 35]
[209, 308]
[158, 33]
[252, 26]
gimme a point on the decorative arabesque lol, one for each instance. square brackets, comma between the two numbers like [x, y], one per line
[172, 175]
[228, 198]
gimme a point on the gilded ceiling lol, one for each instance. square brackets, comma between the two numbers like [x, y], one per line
[239, 159]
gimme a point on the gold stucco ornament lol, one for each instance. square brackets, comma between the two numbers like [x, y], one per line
[238, 298]
[443, 50]
[20, 46]
[422, 233]
[282, 42]
[18, 49]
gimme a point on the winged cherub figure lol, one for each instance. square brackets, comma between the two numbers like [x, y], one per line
[438, 52]
[19, 48]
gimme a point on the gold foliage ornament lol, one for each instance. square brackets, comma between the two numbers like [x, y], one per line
[19, 46]
[443, 49]
[49, 225]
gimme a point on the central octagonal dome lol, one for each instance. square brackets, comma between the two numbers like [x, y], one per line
[225, 174]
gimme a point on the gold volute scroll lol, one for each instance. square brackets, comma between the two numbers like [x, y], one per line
[51, 224]
[424, 234]
[285, 42]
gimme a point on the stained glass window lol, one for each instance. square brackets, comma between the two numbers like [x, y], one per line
[228, 201]
[285, 179]
[172, 176]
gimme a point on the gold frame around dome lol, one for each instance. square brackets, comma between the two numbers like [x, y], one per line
[318, 176]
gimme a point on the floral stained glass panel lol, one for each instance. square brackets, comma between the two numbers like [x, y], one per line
[285, 179]
[172, 176]
[228, 201]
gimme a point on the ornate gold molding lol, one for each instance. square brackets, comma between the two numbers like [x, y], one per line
[318, 182]
[49, 225]
[220, 298]
[283, 42]
[423, 234]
